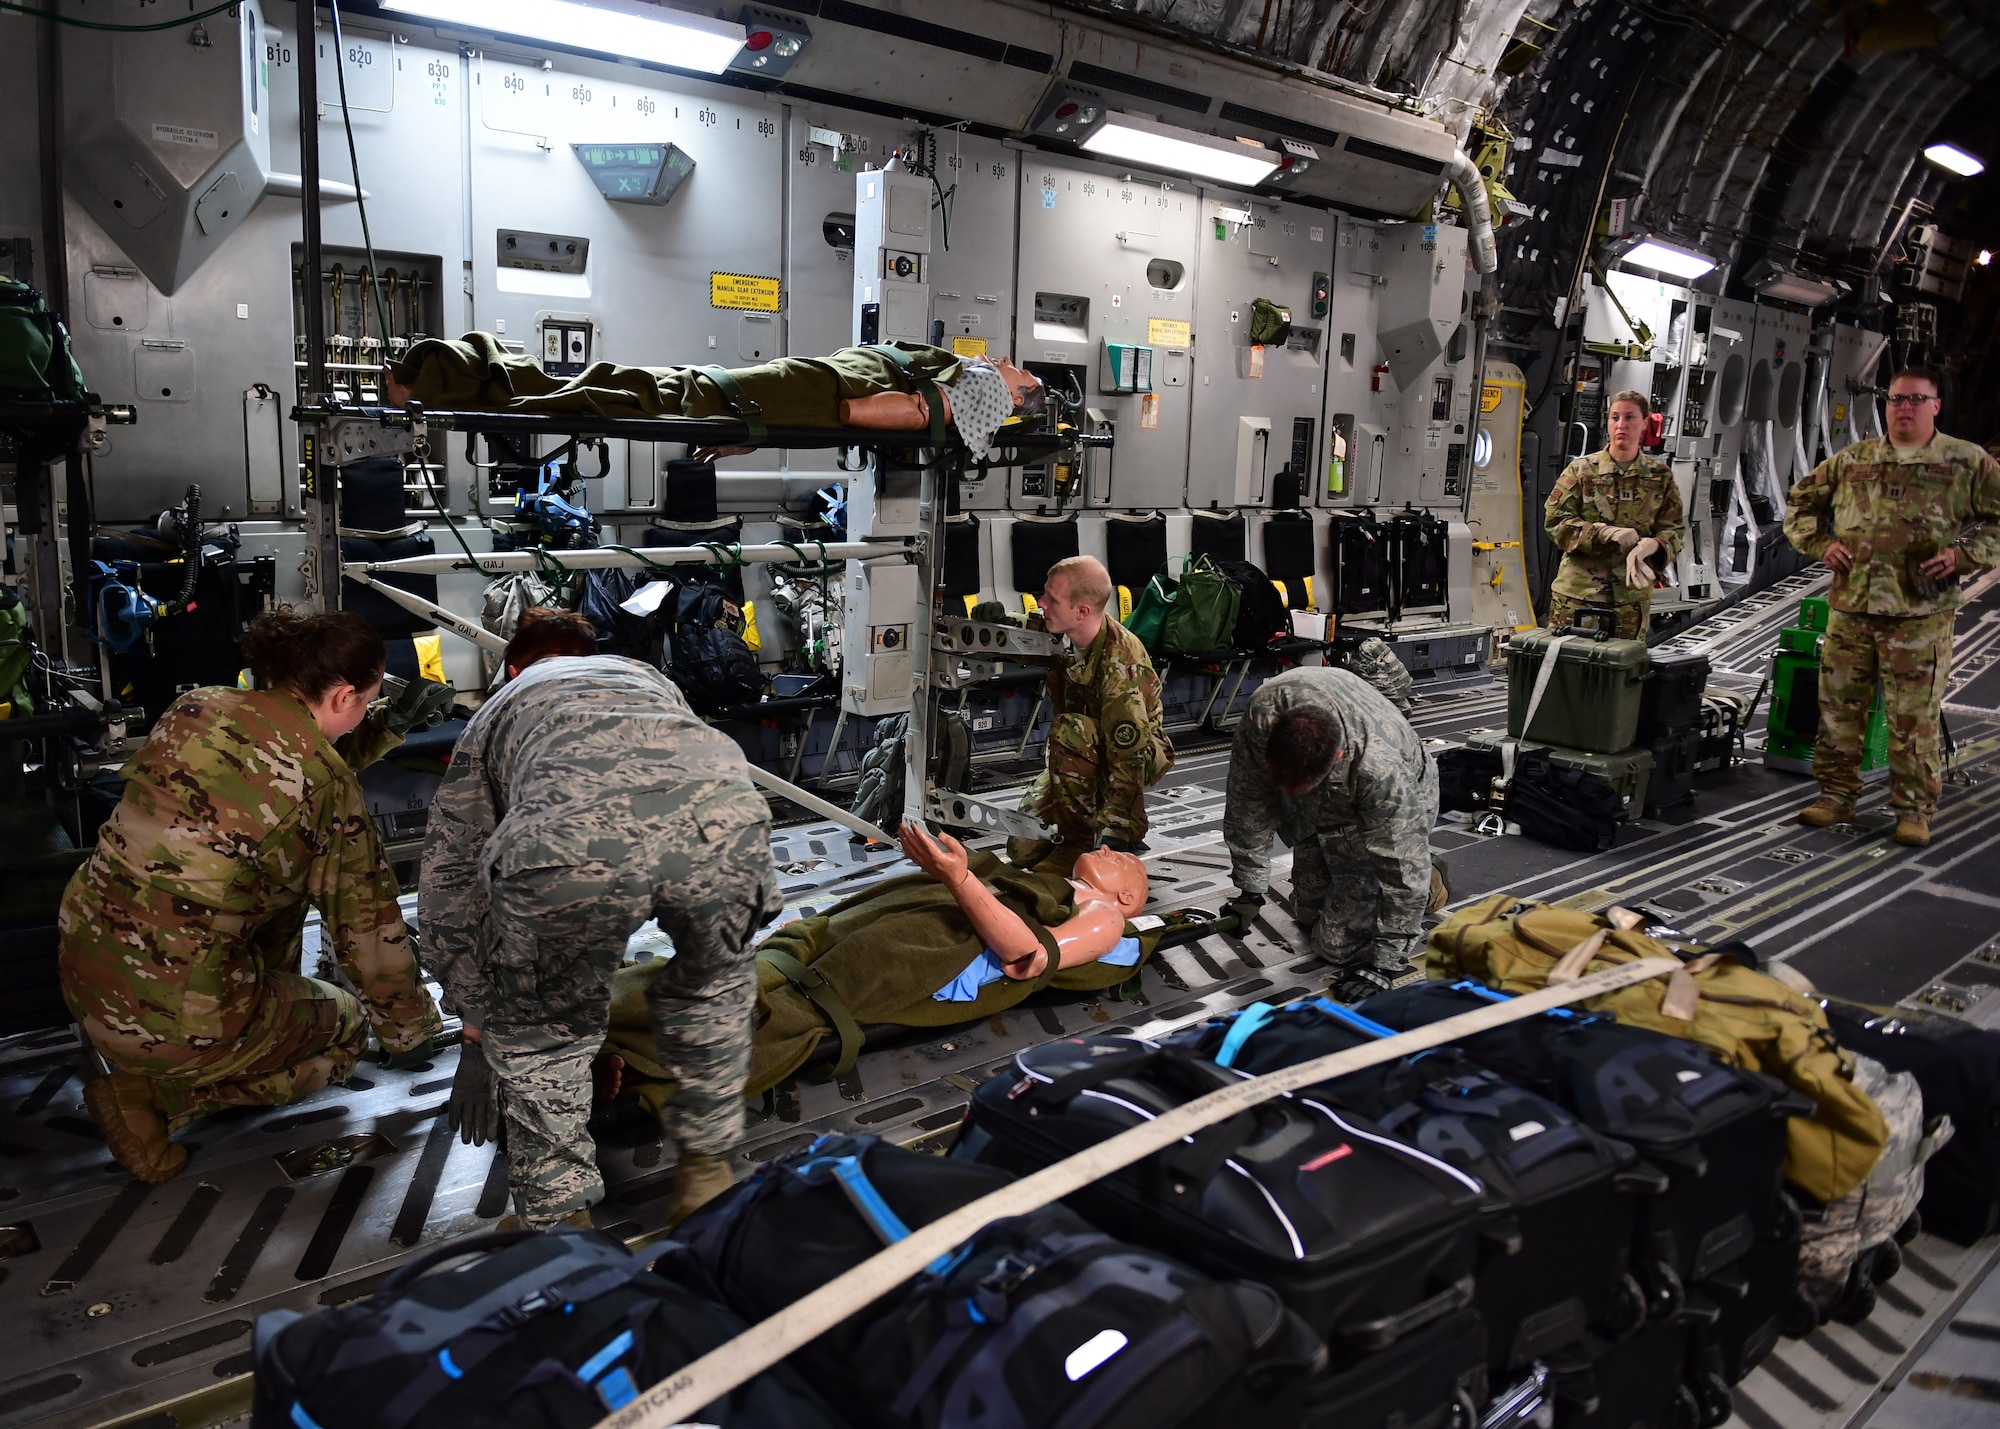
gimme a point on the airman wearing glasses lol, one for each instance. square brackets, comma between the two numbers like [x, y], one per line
[1899, 521]
[1616, 516]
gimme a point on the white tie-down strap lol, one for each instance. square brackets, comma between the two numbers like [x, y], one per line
[678, 1398]
[1510, 747]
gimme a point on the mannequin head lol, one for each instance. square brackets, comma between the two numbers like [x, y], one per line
[1119, 876]
[1029, 397]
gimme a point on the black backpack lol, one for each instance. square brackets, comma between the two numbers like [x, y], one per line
[601, 595]
[1570, 808]
[1039, 1319]
[1260, 616]
[548, 1329]
[709, 659]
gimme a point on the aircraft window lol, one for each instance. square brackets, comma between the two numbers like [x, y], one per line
[838, 230]
[1482, 450]
[1729, 403]
[1165, 274]
[1790, 389]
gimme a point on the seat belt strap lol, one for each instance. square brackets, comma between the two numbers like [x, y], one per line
[740, 403]
[927, 389]
[1510, 747]
[812, 982]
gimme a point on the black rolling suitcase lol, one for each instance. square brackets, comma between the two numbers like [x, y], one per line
[1039, 1319]
[1561, 1202]
[540, 1330]
[1718, 1132]
[1755, 1300]
[1365, 1237]
[1639, 1382]
[1958, 1069]
[1434, 1378]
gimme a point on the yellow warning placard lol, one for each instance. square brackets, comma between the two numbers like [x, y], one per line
[745, 292]
[1168, 332]
[968, 347]
[1489, 398]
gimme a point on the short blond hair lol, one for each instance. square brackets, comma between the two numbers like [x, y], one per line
[1084, 579]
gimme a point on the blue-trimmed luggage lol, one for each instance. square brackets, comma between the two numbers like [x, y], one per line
[549, 1330]
[1040, 1320]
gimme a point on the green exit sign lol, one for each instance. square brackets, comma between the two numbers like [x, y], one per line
[635, 173]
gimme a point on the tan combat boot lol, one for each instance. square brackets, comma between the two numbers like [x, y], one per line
[1826, 811]
[134, 1127]
[1913, 830]
[698, 1179]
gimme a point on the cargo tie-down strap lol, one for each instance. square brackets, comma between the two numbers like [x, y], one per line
[676, 1400]
[741, 405]
[1510, 747]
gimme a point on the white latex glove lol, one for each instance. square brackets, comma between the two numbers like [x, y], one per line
[1638, 568]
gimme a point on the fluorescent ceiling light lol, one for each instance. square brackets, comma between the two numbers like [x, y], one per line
[1161, 146]
[629, 29]
[1785, 287]
[1950, 156]
[1665, 258]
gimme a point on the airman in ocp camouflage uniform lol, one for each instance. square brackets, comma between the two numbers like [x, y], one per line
[1614, 514]
[1107, 734]
[1360, 836]
[180, 935]
[583, 799]
[1887, 518]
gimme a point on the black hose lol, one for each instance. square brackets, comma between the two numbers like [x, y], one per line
[190, 553]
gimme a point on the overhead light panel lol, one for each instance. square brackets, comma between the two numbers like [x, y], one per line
[1955, 160]
[1153, 145]
[629, 29]
[1668, 258]
[1782, 285]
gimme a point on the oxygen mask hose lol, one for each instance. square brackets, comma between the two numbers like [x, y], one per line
[190, 520]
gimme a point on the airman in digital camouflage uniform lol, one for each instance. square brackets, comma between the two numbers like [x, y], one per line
[1107, 735]
[1323, 761]
[179, 949]
[1616, 516]
[1376, 663]
[583, 799]
[1899, 521]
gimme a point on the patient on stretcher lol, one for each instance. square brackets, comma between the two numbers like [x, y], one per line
[965, 938]
[878, 388]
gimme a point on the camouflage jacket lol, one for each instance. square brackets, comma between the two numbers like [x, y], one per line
[1113, 683]
[237, 815]
[1596, 491]
[1380, 759]
[576, 761]
[1376, 663]
[1894, 508]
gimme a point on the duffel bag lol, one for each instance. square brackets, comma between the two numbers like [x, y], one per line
[543, 1330]
[1149, 611]
[1561, 1201]
[1039, 1319]
[1748, 1019]
[1261, 616]
[35, 358]
[1364, 1236]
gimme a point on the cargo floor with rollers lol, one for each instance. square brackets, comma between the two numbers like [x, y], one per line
[126, 1304]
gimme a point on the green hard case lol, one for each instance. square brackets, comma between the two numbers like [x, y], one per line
[1592, 702]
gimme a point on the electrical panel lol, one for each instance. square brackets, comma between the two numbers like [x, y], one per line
[892, 251]
[566, 345]
[881, 620]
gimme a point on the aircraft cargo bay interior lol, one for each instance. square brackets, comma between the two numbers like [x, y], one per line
[1000, 713]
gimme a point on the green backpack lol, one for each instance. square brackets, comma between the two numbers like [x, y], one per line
[1202, 619]
[1149, 611]
[1270, 324]
[35, 359]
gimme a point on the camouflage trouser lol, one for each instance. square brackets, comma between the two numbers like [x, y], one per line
[1632, 614]
[1362, 889]
[1069, 792]
[569, 927]
[304, 1034]
[1911, 656]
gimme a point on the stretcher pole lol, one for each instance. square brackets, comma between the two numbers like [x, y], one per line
[597, 558]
